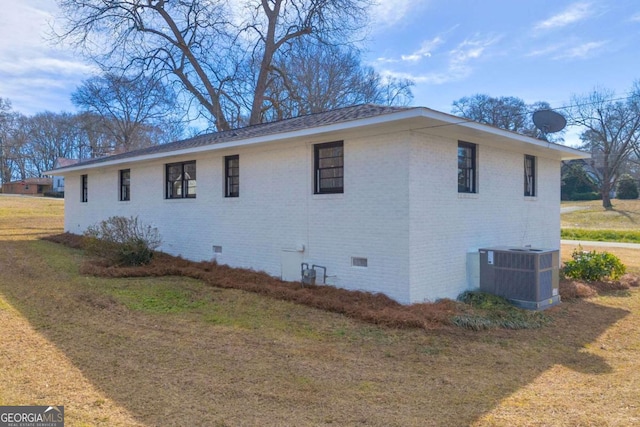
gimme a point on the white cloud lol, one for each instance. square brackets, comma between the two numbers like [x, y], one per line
[570, 50]
[34, 74]
[581, 51]
[548, 50]
[25, 24]
[459, 62]
[383, 60]
[574, 13]
[43, 64]
[417, 78]
[635, 17]
[387, 13]
[468, 50]
[425, 50]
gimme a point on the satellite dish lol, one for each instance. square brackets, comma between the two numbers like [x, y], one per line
[549, 121]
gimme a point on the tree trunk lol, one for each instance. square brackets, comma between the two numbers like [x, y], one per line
[265, 64]
[606, 195]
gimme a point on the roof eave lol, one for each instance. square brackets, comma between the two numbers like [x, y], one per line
[421, 119]
[309, 132]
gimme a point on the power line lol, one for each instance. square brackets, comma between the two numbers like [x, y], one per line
[567, 107]
[467, 120]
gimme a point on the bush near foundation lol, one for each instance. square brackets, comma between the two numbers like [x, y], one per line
[122, 241]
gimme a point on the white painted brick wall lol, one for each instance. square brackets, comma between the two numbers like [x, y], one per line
[276, 210]
[445, 225]
[400, 210]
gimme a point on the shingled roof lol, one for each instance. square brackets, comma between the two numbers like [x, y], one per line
[340, 115]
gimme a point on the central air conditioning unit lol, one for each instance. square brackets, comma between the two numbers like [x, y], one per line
[527, 277]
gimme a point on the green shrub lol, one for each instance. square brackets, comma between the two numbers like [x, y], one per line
[484, 301]
[122, 241]
[592, 266]
[627, 188]
[576, 181]
[56, 194]
[487, 311]
[592, 195]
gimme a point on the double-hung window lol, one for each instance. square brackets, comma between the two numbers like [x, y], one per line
[467, 163]
[529, 176]
[329, 167]
[84, 188]
[232, 176]
[125, 185]
[180, 180]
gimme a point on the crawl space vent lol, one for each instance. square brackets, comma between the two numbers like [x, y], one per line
[359, 262]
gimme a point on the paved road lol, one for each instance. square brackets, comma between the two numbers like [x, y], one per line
[601, 244]
[567, 209]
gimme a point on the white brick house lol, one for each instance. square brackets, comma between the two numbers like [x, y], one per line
[388, 199]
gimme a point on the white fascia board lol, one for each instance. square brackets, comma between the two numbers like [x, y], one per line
[277, 137]
[566, 152]
[421, 118]
[563, 151]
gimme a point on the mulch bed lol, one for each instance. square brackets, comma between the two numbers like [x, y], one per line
[373, 308]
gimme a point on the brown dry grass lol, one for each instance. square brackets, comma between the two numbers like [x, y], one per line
[112, 355]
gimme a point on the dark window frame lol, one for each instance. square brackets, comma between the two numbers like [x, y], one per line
[181, 186]
[84, 188]
[125, 185]
[467, 167]
[232, 176]
[324, 153]
[530, 178]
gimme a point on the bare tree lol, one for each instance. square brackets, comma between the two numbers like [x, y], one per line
[96, 138]
[611, 133]
[204, 44]
[311, 78]
[6, 118]
[506, 112]
[130, 108]
[50, 136]
[14, 152]
[283, 22]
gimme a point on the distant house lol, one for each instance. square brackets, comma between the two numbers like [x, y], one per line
[389, 199]
[58, 180]
[29, 186]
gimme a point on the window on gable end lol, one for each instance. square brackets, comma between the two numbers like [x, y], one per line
[529, 176]
[84, 188]
[467, 163]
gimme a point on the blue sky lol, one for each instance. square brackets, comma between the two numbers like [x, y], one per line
[534, 49]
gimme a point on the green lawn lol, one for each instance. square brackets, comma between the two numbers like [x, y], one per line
[624, 216]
